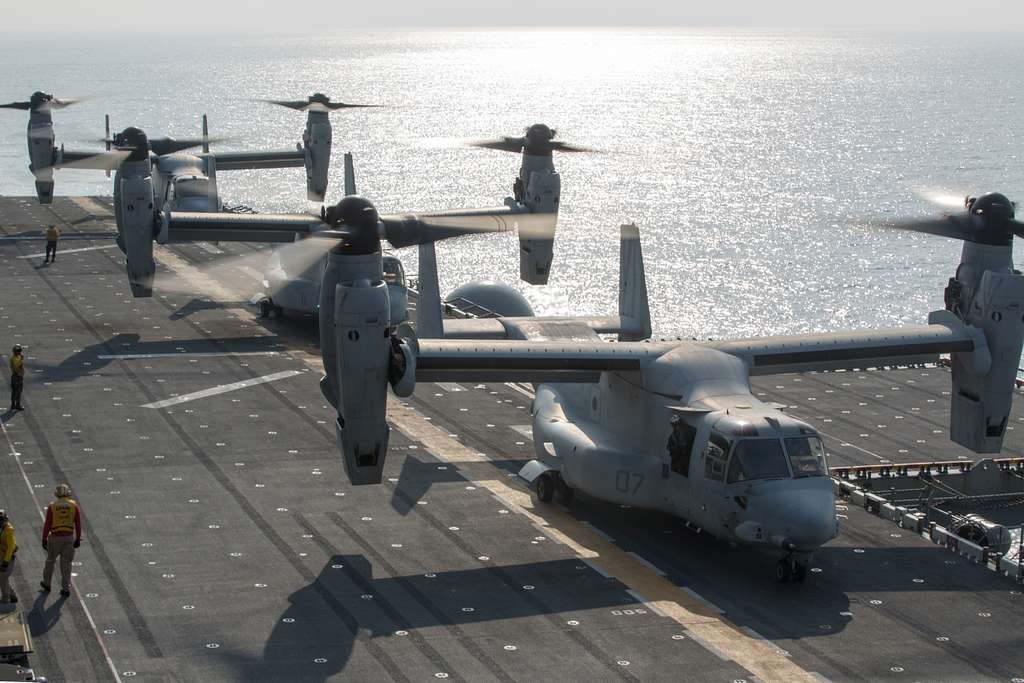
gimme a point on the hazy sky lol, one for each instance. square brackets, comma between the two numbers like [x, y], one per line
[331, 16]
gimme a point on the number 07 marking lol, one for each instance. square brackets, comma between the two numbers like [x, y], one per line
[628, 482]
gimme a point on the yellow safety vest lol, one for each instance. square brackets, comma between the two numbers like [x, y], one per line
[18, 365]
[7, 545]
[52, 234]
[63, 511]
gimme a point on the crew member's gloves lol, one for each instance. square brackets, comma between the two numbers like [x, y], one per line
[77, 543]
[44, 545]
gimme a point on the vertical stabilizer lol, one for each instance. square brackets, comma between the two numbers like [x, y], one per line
[350, 175]
[106, 134]
[428, 309]
[206, 136]
[633, 283]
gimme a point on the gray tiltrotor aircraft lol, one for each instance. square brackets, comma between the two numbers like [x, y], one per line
[157, 176]
[292, 283]
[673, 426]
[537, 189]
[44, 155]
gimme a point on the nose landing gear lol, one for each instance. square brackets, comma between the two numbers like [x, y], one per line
[790, 568]
[549, 483]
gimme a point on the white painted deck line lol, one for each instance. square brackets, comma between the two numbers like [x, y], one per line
[186, 354]
[223, 389]
[61, 252]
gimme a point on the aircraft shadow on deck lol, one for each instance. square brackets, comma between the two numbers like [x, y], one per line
[197, 305]
[418, 476]
[95, 357]
[313, 639]
[323, 620]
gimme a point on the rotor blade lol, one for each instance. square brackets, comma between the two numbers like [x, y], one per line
[161, 146]
[945, 200]
[503, 144]
[957, 226]
[61, 103]
[306, 105]
[17, 105]
[566, 147]
[103, 161]
[1017, 228]
[411, 229]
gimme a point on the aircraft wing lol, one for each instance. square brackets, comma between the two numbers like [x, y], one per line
[234, 161]
[584, 329]
[856, 349]
[188, 226]
[451, 360]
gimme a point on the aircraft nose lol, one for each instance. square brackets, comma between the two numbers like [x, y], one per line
[811, 519]
[806, 518]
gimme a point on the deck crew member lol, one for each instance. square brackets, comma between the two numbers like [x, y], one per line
[52, 234]
[17, 365]
[8, 551]
[62, 533]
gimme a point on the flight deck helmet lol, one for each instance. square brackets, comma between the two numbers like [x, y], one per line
[62, 491]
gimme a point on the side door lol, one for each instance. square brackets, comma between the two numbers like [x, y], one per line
[681, 467]
[709, 491]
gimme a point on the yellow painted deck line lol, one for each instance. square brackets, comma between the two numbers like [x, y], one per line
[756, 656]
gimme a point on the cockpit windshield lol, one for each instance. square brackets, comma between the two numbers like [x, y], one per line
[807, 456]
[393, 273]
[758, 459]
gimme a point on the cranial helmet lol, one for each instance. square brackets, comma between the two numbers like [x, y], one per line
[3, 517]
[62, 491]
[17, 347]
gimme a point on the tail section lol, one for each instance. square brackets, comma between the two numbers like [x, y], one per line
[633, 283]
[429, 324]
[350, 175]
[106, 134]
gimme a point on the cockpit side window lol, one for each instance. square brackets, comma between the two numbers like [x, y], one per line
[715, 454]
[758, 459]
[680, 445]
[807, 456]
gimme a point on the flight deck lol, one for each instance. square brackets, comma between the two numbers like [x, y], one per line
[223, 542]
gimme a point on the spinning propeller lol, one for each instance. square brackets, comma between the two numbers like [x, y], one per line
[538, 141]
[988, 219]
[319, 102]
[135, 140]
[43, 101]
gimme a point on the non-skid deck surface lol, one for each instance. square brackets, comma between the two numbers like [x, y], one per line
[222, 541]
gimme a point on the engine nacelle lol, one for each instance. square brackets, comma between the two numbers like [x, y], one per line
[317, 146]
[980, 407]
[542, 195]
[41, 153]
[135, 213]
[356, 346]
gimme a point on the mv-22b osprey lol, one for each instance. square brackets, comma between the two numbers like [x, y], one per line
[292, 281]
[671, 426]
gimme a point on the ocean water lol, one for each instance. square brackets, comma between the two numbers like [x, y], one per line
[758, 166]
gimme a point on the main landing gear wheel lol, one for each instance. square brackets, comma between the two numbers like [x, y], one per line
[790, 569]
[265, 308]
[545, 487]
